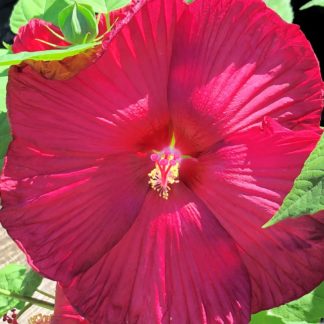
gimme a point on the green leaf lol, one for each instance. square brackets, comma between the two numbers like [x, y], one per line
[283, 8]
[78, 23]
[5, 136]
[312, 4]
[3, 84]
[308, 309]
[49, 10]
[307, 195]
[112, 5]
[265, 317]
[103, 6]
[52, 10]
[16, 280]
[98, 6]
[51, 55]
[25, 10]
[305, 310]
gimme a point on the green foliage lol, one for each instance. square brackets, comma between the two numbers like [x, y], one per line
[25, 10]
[49, 10]
[51, 55]
[305, 310]
[312, 4]
[97, 5]
[3, 84]
[5, 136]
[78, 23]
[82, 19]
[104, 6]
[283, 8]
[112, 5]
[307, 195]
[16, 280]
[265, 317]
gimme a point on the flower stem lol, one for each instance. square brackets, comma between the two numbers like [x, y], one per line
[27, 299]
[45, 293]
[24, 310]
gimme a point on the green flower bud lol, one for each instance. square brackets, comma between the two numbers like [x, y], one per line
[78, 23]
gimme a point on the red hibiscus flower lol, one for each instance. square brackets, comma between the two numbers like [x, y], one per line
[142, 183]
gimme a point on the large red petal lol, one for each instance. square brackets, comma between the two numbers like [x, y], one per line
[243, 183]
[64, 212]
[175, 264]
[235, 62]
[113, 106]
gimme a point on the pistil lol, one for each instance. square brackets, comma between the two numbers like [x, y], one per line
[166, 171]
